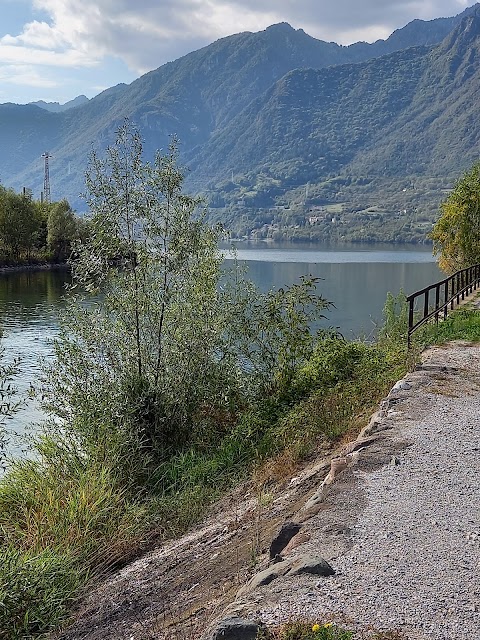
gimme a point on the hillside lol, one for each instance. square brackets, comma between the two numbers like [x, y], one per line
[277, 109]
[377, 137]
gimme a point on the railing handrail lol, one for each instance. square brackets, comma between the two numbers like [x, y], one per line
[447, 291]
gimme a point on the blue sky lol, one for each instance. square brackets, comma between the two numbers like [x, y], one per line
[54, 50]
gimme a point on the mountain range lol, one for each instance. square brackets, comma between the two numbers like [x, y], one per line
[279, 120]
[56, 107]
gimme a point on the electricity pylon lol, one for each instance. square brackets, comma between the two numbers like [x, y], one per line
[46, 179]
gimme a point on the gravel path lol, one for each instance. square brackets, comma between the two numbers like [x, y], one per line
[414, 558]
[400, 525]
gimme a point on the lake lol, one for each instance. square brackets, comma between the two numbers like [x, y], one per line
[355, 278]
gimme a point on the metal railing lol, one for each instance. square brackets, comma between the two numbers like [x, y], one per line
[447, 293]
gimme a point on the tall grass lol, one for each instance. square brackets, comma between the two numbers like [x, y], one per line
[462, 324]
[65, 517]
[36, 589]
[61, 522]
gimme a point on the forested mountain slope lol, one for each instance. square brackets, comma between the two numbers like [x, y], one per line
[277, 102]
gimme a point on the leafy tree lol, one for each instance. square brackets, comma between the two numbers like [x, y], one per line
[20, 224]
[62, 230]
[456, 235]
[171, 348]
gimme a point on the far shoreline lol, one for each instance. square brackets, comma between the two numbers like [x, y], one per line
[41, 266]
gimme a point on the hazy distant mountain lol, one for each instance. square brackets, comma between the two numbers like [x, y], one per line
[276, 102]
[56, 107]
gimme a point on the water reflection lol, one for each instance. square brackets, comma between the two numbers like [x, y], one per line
[357, 289]
[29, 305]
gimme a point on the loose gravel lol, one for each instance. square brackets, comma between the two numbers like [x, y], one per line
[414, 560]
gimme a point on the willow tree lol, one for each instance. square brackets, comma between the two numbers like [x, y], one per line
[158, 345]
[456, 235]
[136, 357]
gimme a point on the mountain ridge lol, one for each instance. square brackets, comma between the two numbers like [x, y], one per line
[203, 96]
[56, 107]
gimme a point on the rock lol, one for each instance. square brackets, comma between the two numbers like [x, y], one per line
[300, 538]
[283, 537]
[315, 500]
[370, 428]
[337, 465]
[265, 577]
[360, 443]
[234, 629]
[401, 385]
[278, 558]
[315, 565]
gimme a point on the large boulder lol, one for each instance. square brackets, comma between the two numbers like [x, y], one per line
[235, 628]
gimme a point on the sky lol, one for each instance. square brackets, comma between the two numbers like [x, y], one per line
[55, 50]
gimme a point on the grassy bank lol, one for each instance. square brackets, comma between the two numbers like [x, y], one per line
[65, 518]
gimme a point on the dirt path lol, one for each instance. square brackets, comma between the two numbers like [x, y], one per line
[399, 524]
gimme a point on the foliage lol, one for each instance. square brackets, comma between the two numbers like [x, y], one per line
[456, 235]
[172, 348]
[299, 630]
[61, 522]
[337, 395]
[21, 225]
[31, 231]
[461, 324]
[35, 591]
[333, 360]
[62, 230]
[134, 367]
[59, 502]
[151, 377]
[9, 403]
[172, 379]
[395, 315]
[307, 630]
[272, 330]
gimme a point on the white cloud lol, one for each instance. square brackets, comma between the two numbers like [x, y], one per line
[14, 54]
[144, 34]
[24, 75]
[37, 34]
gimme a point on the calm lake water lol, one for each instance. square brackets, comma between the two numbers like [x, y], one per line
[356, 279]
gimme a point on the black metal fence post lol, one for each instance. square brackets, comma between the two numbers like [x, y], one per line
[457, 286]
[445, 305]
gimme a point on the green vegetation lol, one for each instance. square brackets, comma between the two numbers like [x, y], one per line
[9, 402]
[463, 324]
[308, 630]
[376, 137]
[297, 630]
[32, 231]
[456, 235]
[279, 118]
[35, 591]
[172, 381]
